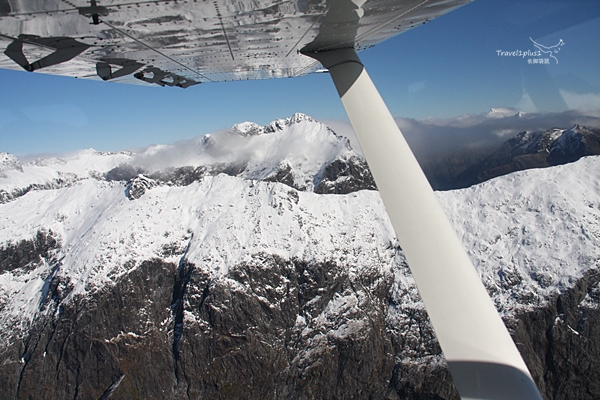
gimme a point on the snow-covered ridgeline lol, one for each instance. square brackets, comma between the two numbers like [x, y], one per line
[530, 234]
[553, 141]
[221, 221]
[52, 173]
[298, 144]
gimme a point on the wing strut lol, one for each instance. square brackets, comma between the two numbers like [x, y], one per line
[483, 359]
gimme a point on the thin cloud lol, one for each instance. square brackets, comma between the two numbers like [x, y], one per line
[344, 128]
[588, 103]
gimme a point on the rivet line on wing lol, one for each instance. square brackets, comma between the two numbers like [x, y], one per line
[223, 29]
[305, 33]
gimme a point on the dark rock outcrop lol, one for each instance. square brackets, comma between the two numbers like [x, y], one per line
[123, 172]
[28, 254]
[137, 186]
[283, 175]
[344, 176]
[182, 176]
[265, 332]
[272, 329]
[573, 144]
[560, 343]
[116, 341]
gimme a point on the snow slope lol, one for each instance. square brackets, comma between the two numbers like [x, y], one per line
[217, 222]
[530, 234]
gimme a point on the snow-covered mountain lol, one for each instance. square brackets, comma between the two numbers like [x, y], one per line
[297, 151]
[183, 271]
[9, 162]
[504, 112]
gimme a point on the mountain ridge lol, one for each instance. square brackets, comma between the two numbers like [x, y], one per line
[275, 152]
[230, 286]
[538, 149]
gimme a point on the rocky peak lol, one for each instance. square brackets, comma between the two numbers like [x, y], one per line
[246, 129]
[280, 124]
[569, 141]
[138, 186]
[297, 151]
[533, 142]
[9, 162]
[574, 143]
[207, 141]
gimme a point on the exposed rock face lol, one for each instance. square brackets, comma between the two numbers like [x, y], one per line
[28, 254]
[260, 337]
[346, 176]
[87, 347]
[284, 175]
[123, 172]
[137, 186]
[170, 331]
[182, 176]
[561, 342]
[271, 329]
[573, 144]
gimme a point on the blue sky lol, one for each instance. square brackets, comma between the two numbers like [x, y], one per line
[443, 69]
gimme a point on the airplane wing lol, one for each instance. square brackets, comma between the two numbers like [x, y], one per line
[186, 42]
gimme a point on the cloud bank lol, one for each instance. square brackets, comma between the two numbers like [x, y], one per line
[443, 137]
[432, 137]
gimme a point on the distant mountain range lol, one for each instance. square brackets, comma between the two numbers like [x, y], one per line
[526, 150]
[534, 150]
[259, 263]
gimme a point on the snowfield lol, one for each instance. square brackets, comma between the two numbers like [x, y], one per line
[533, 233]
[217, 223]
